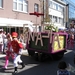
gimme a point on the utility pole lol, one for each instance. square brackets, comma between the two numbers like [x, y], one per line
[42, 2]
[43, 11]
[46, 18]
[67, 15]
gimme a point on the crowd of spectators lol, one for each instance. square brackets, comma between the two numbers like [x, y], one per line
[3, 40]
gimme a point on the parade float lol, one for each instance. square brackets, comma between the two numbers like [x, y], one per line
[48, 43]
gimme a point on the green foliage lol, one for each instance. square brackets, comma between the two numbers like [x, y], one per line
[51, 27]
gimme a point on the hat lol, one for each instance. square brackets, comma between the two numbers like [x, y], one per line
[14, 34]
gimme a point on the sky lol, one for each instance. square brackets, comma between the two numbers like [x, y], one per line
[73, 1]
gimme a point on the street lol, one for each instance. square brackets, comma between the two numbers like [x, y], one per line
[33, 67]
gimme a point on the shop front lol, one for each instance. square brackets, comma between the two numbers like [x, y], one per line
[11, 25]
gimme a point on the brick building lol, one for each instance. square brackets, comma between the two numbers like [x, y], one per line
[15, 13]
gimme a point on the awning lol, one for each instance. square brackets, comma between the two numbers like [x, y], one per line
[13, 22]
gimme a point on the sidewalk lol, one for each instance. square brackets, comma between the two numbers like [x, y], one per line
[2, 55]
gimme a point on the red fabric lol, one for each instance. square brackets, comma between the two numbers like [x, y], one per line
[14, 34]
[16, 45]
[8, 45]
[37, 14]
[72, 42]
[9, 53]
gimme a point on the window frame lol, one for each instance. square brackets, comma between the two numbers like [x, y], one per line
[24, 3]
[36, 7]
[1, 5]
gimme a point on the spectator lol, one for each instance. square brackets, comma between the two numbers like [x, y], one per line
[4, 41]
[21, 39]
[62, 68]
[72, 28]
[1, 41]
[9, 52]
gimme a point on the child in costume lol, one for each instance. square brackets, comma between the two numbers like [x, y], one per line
[17, 49]
[9, 52]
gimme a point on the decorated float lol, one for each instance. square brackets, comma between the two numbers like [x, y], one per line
[48, 43]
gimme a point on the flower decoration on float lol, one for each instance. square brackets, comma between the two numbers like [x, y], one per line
[51, 27]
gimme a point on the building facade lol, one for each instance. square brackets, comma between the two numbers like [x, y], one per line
[57, 13]
[71, 6]
[15, 13]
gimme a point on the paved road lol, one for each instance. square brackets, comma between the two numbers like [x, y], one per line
[48, 67]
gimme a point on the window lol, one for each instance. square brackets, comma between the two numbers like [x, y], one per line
[54, 6]
[61, 20]
[50, 17]
[36, 7]
[55, 19]
[25, 6]
[20, 5]
[50, 4]
[60, 8]
[1, 3]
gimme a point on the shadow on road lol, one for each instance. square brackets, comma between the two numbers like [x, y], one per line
[33, 67]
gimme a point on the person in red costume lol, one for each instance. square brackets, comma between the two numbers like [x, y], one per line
[9, 52]
[17, 48]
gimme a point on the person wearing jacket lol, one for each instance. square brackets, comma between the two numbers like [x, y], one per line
[17, 48]
[8, 52]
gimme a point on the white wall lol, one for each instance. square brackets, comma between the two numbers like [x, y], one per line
[55, 13]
